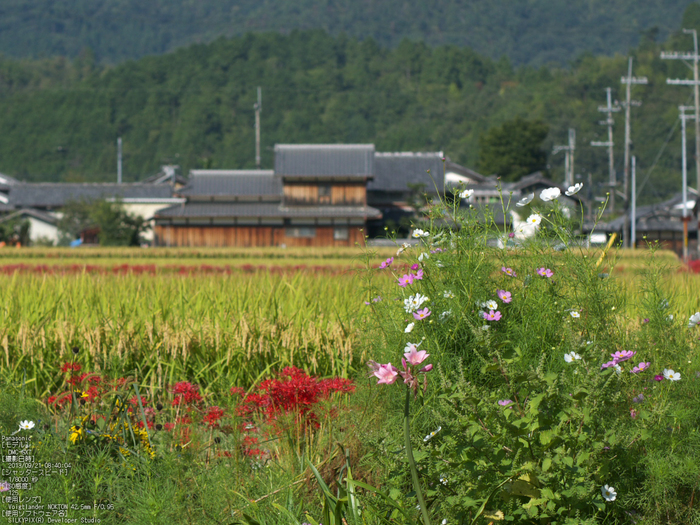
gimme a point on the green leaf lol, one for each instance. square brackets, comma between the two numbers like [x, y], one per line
[546, 464]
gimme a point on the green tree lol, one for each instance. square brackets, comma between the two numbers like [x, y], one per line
[116, 226]
[513, 149]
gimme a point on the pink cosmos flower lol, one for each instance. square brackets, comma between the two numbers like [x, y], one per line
[545, 272]
[421, 314]
[419, 275]
[387, 374]
[508, 271]
[640, 368]
[608, 365]
[622, 355]
[505, 402]
[405, 280]
[504, 296]
[658, 377]
[387, 263]
[491, 316]
[415, 266]
[413, 355]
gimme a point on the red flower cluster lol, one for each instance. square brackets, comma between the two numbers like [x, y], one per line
[213, 415]
[293, 391]
[71, 367]
[186, 393]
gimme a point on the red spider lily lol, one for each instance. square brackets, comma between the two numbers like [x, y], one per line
[213, 415]
[186, 393]
[71, 367]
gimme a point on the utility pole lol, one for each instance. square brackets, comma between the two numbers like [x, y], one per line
[685, 219]
[568, 157]
[633, 207]
[629, 80]
[119, 160]
[609, 122]
[258, 108]
[678, 55]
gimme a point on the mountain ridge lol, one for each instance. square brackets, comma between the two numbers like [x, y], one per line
[533, 32]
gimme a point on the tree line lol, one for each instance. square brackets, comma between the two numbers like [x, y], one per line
[194, 107]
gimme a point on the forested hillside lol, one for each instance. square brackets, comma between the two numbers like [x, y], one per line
[60, 119]
[527, 31]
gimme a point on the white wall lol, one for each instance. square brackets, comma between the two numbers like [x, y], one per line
[40, 229]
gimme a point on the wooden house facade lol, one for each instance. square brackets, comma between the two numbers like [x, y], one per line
[316, 196]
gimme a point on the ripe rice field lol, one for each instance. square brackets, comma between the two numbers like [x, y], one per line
[220, 318]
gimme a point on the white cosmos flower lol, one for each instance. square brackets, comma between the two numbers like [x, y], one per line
[423, 256]
[446, 314]
[417, 234]
[671, 375]
[609, 493]
[534, 219]
[570, 358]
[574, 314]
[490, 305]
[409, 328]
[26, 425]
[466, 194]
[573, 190]
[694, 320]
[550, 194]
[414, 302]
[403, 247]
[432, 434]
[525, 200]
[448, 294]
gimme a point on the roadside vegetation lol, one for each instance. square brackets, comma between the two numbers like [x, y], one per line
[522, 384]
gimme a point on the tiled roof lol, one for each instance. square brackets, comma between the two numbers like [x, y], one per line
[49, 194]
[395, 171]
[205, 210]
[324, 160]
[466, 172]
[221, 183]
[40, 215]
[665, 215]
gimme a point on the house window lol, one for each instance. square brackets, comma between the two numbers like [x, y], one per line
[324, 193]
[340, 233]
[300, 231]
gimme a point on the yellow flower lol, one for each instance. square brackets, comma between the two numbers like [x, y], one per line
[76, 434]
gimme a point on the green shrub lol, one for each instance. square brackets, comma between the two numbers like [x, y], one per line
[545, 391]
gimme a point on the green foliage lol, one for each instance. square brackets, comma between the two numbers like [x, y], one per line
[116, 226]
[194, 107]
[513, 149]
[15, 231]
[535, 32]
[527, 417]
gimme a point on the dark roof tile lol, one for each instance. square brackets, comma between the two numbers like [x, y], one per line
[395, 171]
[221, 183]
[203, 210]
[49, 194]
[324, 160]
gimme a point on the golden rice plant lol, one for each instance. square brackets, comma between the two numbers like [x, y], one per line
[219, 331]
